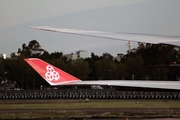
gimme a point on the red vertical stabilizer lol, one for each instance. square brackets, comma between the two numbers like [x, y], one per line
[52, 74]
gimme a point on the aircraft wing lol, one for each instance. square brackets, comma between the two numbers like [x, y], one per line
[152, 39]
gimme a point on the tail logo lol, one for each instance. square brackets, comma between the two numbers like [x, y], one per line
[51, 74]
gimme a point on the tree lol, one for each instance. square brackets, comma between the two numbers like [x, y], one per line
[32, 50]
[2, 70]
[91, 61]
[159, 54]
[79, 68]
[159, 74]
[134, 68]
[106, 69]
[121, 73]
[154, 57]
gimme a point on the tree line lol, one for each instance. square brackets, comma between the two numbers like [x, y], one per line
[148, 62]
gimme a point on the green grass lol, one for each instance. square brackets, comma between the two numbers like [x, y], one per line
[82, 104]
[56, 109]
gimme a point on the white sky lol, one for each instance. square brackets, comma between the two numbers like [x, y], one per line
[14, 12]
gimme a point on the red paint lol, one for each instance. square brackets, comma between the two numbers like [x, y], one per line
[49, 72]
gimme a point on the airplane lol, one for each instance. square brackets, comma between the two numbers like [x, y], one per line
[55, 76]
[67, 79]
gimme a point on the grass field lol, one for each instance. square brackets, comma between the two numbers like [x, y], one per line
[83, 104]
[50, 109]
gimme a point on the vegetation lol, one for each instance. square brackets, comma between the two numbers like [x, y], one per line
[94, 104]
[147, 62]
[58, 109]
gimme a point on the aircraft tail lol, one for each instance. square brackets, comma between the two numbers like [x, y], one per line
[52, 74]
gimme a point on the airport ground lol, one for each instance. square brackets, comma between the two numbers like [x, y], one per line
[88, 108]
